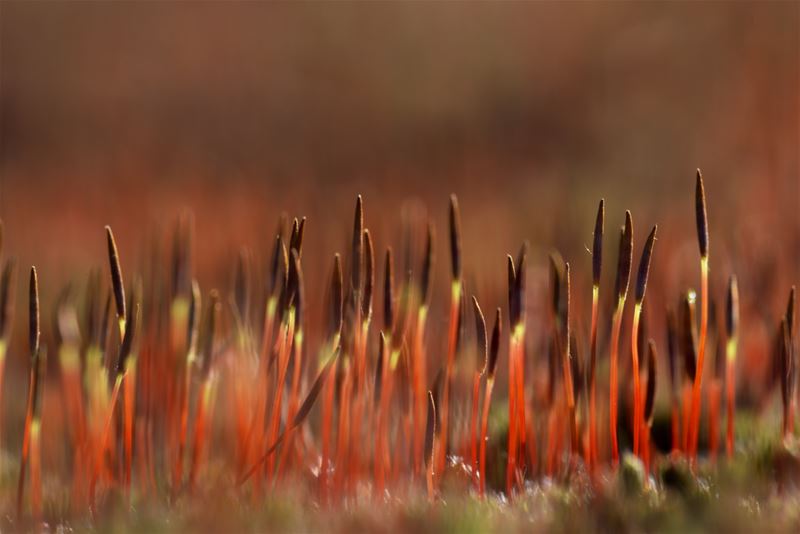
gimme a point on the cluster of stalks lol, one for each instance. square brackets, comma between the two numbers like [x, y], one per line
[184, 375]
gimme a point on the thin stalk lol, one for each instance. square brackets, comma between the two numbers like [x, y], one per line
[616, 324]
[452, 340]
[487, 399]
[698, 380]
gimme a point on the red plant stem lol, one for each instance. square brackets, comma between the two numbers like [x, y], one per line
[36, 471]
[613, 391]
[487, 399]
[177, 473]
[701, 353]
[381, 456]
[636, 386]
[199, 433]
[287, 334]
[26, 442]
[676, 425]
[130, 406]
[714, 391]
[344, 429]
[730, 390]
[473, 427]
[592, 455]
[419, 392]
[511, 464]
[100, 452]
[686, 408]
[288, 446]
[452, 339]
[570, 400]
[327, 417]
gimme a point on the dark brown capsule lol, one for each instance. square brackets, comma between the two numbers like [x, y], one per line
[294, 234]
[480, 333]
[369, 276]
[512, 292]
[337, 298]
[644, 266]
[116, 274]
[625, 258]
[209, 332]
[787, 365]
[556, 284]
[732, 308]
[650, 395]
[701, 215]
[131, 324]
[376, 394]
[277, 264]
[297, 241]
[33, 313]
[297, 291]
[194, 313]
[455, 238]
[597, 247]
[494, 347]
[520, 283]
[7, 286]
[357, 253]
[427, 267]
[577, 367]
[388, 292]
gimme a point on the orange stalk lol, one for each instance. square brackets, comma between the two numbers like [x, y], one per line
[730, 393]
[698, 380]
[473, 427]
[511, 464]
[452, 339]
[613, 391]
[592, 454]
[287, 334]
[636, 386]
[487, 399]
[101, 449]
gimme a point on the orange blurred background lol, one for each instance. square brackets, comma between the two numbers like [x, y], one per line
[126, 113]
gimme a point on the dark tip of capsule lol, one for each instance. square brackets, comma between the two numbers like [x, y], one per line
[7, 286]
[209, 333]
[369, 276]
[625, 257]
[131, 324]
[194, 313]
[513, 313]
[519, 282]
[556, 282]
[116, 274]
[297, 290]
[388, 292]
[732, 308]
[337, 297]
[644, 266]
[701, 215]
[378, 383]
[427, 267]
[357, 258]
[298, 240]
[33, 313]
[455, 237]
[494, 347]
[597, 247]
[480, 331]
[652, 369]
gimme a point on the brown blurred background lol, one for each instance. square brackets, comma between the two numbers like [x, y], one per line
[125, 113]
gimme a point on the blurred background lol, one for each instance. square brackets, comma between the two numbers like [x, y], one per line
[127, 113]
